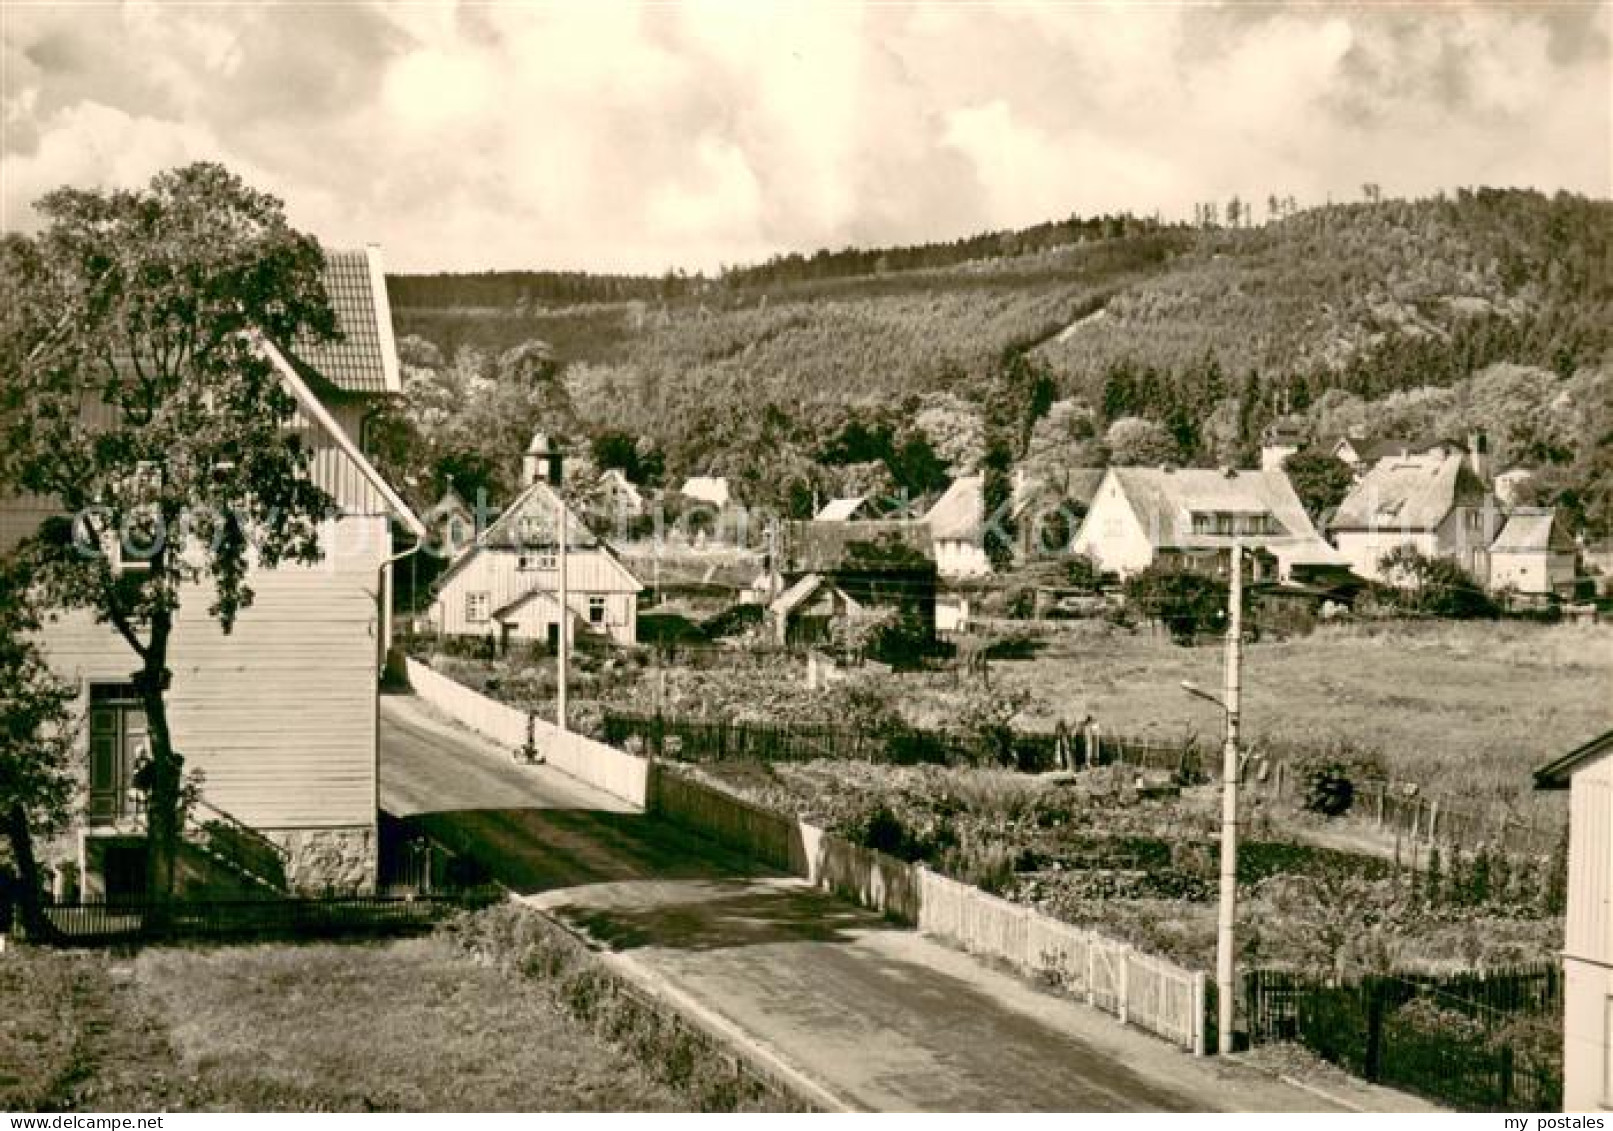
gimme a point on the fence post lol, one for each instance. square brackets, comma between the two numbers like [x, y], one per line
[1433, 819]
[1125, 984]
[1092, 992]
[1200, 1020]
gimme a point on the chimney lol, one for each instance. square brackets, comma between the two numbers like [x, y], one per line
[1478, 455]
[542, 461]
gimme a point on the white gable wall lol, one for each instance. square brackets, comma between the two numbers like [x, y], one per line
[1111, 533]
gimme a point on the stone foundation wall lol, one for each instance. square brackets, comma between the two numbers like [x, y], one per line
[342, 860]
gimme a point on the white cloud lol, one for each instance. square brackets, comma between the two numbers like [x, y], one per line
[615, 136]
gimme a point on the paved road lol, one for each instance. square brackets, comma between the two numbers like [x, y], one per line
[880, 1017]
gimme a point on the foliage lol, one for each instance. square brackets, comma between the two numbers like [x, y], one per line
[1187, 603]
[1435, 586]
[1133, 441]
[997, 498]
[153, 304]
[1320, 479]
[1208, 334]
[1328, 790]
[36, 740]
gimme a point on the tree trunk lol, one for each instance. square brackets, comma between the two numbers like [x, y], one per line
[21, 837]
[163, 776]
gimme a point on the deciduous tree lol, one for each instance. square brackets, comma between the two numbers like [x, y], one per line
[36, 741]
[152, 307]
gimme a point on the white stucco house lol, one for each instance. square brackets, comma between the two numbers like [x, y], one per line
[1194, 515]
[1587, 773]
[957, 529]
[1533, 553]
[1435, 502]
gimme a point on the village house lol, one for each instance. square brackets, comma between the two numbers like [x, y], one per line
[1533, 554]
[506, 587]
[808, 612]
[281, 715]
[1282, 438]
[876, 565]
[1511, 485]
[618, 496]
[1192, 516]
[1362, 455]
[956, 523]
[1587, 773]
[450, 524]
[1436, 502]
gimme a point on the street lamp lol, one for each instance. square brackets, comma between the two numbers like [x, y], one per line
[1225, 964]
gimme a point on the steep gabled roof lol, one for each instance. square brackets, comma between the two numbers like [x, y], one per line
[959, 514]
[528, 523]
[364, 359]
[1408, 493]
[826, 547]
[1557, 775]
[1532, 529]
[840, 510]
[801, 592]
[1165, 502]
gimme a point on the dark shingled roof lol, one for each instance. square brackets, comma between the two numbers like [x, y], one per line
[825, 547]
[1556, 775]
[364, 359]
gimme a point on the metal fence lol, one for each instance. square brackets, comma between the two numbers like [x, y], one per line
[1473, 1042]
[136, 921]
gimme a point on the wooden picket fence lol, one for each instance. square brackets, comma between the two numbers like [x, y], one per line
[1140, 989]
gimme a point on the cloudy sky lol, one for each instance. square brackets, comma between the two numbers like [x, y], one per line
[612, 136]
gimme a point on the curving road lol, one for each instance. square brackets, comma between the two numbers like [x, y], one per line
[878, 1017]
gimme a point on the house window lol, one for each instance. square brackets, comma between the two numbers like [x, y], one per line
[478, 607]
[596, 610]
[528, 563]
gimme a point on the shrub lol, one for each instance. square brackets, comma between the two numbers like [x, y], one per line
[882, 830]
[1434, 586]
[1188, 604]
[1329, 790]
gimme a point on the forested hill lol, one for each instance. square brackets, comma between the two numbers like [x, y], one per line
[899, 367]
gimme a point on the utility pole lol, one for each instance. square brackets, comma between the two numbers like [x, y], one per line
[1225, 960]
[557, 481]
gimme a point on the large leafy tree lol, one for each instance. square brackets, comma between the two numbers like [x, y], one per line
[36, 740]
[1320, 479]
[140, 400]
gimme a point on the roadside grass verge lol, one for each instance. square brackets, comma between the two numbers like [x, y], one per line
[418, 1024]
[523, 943]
